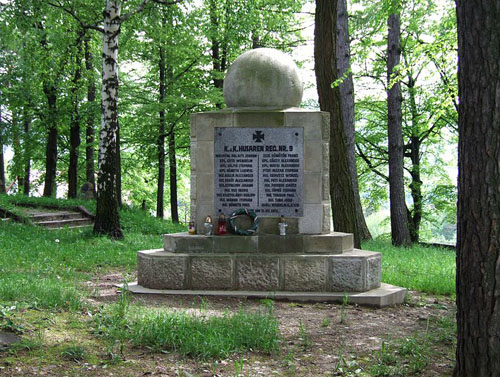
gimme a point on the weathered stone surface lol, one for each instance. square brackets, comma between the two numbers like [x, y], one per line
[188, 243]
[327, 216]
[211, 273]
[305, 274]
[192, 126]
[312, 221]
[374, 272]
[204, 153]
[269, 225]
[313, 161]
[206, 122]
[236, 244]
[257, 273]
[346, 274]
[193, 146]
[325, 158]
[263, 78]
[206, 182]
[161, 270]
[355, 270]
[325, 185]
[386, 295]
[325, 125]
[312, 188]
[192, 194]
[332, 243]
[261, 119]
[310, 120]
[270, 243]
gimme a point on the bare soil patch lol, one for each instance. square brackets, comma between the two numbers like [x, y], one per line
[319, 339]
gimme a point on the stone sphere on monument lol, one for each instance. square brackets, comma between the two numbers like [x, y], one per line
[263, 78]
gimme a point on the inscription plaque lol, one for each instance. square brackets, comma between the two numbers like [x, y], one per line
[260, 169]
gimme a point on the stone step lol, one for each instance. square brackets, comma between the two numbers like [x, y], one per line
[354, 271]
[330, 243]
[55, 216]
[386, 295]
[71, 223]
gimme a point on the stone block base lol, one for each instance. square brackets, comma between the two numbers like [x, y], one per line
[353, 271]
[386, 295]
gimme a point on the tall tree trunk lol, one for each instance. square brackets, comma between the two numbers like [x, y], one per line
[118, 169]
[399, 222]
[216, 63]
[478, 236]
[18, 157]
[2, 168]
[415, 217]
[160, 193]
[172, 163]
[107, 220]
[49, 188]
[347, 110]
[89, 131]
[27, 154]
[74, 133]
[2, 162]
[325, 40]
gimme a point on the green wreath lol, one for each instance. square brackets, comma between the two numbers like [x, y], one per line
[244, 212]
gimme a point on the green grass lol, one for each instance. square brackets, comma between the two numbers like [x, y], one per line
[200, 337]
[420, 268]
[45, 268]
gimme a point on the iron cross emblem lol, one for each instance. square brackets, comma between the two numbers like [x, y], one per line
[258, 136]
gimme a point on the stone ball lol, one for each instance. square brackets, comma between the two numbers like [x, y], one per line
[263, 78]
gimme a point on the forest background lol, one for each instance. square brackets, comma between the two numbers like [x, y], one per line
[172, 59]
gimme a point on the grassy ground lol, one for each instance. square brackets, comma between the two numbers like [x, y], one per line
[45, 296]
[419, 268]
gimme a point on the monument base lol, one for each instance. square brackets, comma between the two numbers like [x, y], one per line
[385, 295]
[316, 265]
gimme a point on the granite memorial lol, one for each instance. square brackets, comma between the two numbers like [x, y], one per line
[266, 155]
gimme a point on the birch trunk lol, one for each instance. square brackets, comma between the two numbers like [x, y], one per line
[107, 220]
[89, 131]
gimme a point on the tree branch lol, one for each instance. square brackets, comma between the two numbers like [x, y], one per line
[370, 165]
[142, 5]
[75, 16]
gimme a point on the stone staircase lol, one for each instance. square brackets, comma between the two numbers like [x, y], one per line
[52, 218]
[61, 219]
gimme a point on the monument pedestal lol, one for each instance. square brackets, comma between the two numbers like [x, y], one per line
[304, 263]
[322, 267]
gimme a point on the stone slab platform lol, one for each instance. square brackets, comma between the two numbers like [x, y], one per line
[331, 243]
[385, 295]
[351, 271]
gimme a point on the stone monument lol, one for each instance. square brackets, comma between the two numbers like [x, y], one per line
[264, 154]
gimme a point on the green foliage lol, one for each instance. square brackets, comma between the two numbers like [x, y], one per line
[162, 330]
[45, 267]
[427, 73]
[420, 268]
